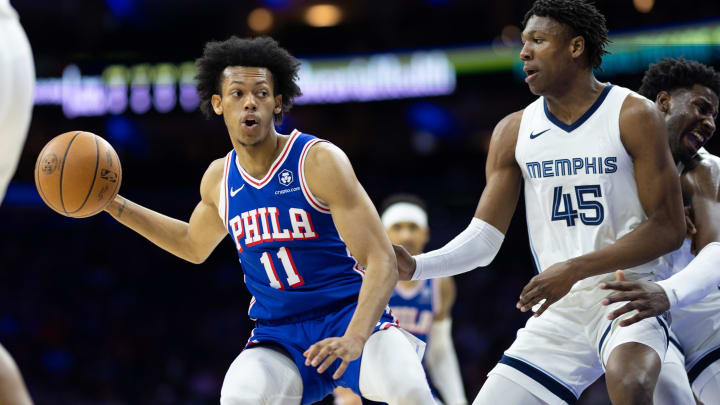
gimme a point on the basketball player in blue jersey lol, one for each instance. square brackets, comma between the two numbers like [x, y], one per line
[421, 307]
[17, 84]
[292, 205]
[686, 92]
[601, 193]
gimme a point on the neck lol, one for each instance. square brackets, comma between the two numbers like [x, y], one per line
[256, 159]
[575, 97]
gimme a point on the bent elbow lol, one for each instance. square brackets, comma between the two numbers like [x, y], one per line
[196, 259]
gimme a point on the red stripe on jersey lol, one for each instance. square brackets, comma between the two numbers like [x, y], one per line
[278, 162]
[225, 185]
[306, 190]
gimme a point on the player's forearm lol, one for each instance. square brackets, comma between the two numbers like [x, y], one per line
[380, 279]
[168, 233]
[650, 240]
[474, 247]
[696, 280]
[442, 365]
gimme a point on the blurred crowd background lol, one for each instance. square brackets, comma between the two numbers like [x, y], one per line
[95, 314]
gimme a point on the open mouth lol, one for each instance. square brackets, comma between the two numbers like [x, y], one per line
[695, 140]
[531, 73]
[249, 123]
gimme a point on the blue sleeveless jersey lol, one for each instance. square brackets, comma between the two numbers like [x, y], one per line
[296, 265]
[415, 309]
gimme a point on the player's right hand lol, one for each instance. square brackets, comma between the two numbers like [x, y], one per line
[647, 297]
[324, 353]
[405, 263]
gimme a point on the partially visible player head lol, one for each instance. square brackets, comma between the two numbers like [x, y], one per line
[687, 92]
[250, 82]
[561, 38]
[405, 219]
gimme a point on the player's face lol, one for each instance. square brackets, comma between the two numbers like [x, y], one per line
[545, 53]
[247, 103]
[690, 118]
[409, 235]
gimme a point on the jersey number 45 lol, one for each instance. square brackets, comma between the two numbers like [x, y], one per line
[591, 211]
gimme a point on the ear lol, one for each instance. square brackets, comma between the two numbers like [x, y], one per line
[278, 104]
[216, 102]
[662, 101]
[577, 46]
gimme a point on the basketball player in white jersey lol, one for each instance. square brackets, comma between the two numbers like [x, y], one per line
[686, 92]
[421, 307]
[306, 341]
[17, 82]
[601, 193]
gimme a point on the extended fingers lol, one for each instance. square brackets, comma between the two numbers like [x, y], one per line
[340, 370]
[529, 299]
[624, 296]
[327, 363]
[317, 352]
[630, 306]
[636, 318]
[543, 307]
[618, 285]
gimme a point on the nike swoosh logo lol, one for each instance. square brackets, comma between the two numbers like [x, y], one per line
[533, 136]
[233, 192]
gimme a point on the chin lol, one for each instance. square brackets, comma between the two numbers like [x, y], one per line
[535, 90]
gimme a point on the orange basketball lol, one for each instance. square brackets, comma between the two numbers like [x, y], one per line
[77, 174]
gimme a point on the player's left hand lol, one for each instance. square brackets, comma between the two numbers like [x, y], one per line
[326, 351]
[550, 285]
[648, 298]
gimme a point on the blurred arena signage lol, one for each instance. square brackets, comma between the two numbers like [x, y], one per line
[165, 86]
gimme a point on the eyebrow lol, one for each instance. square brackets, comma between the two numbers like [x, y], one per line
[241, 82]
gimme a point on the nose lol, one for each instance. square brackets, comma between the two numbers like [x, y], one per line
[525, 53]
[709, 123]
[250, 103]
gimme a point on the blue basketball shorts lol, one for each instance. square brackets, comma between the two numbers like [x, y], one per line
[296, 337]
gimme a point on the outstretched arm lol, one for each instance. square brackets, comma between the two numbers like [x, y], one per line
[193, 241]
[331, 178]
[644, 135]
[478, 244]
[700, 276]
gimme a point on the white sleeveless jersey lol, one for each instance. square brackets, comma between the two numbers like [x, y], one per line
[696, 325]
[580, 190]
[6, 10]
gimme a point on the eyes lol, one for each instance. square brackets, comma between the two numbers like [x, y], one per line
[260, 93]
[705, 108]
[537, 41]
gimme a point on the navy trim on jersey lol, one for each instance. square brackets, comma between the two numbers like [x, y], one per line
[665, 328]
[660, 321]
[583, 118]
[704, 362]
[677, 345]
[541, 377]
[602, 339]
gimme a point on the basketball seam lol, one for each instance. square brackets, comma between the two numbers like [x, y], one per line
[97, 163]
[117, 183]
[37, 177]
[62, 170]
